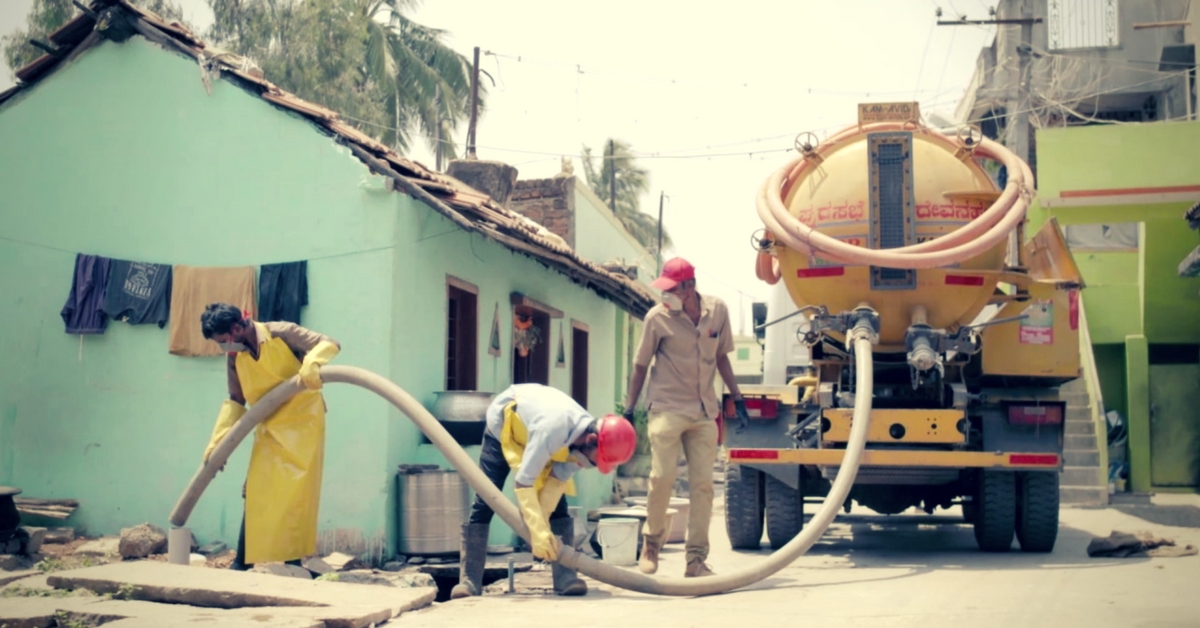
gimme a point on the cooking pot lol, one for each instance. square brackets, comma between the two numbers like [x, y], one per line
[463, 413]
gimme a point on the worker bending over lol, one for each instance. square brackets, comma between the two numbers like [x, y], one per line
[283, 485]
[544, 437]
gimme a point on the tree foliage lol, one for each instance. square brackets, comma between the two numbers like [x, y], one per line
[388, 75]
[45, 16]
[631, 182]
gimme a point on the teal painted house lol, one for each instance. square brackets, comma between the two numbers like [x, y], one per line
[131, 143]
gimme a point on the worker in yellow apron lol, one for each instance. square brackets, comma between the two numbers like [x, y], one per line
[283, 485]
[543, 437]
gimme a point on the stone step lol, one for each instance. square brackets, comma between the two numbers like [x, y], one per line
[1079, 414]
[1080, 441]
[1079, 427]
[1075, 399]
[1083, 495]
[1081, 458]
[1081, 476]
[1076, 385]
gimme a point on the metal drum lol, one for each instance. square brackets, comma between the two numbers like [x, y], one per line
[433, 506]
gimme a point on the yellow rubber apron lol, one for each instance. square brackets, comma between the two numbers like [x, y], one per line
[514, 437]
[283, 486]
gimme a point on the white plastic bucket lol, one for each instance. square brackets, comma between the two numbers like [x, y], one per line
[619, 537]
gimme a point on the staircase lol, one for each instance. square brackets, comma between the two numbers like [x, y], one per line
[1083, 481]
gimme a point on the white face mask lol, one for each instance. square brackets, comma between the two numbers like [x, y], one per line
[672, 302]
[231, 347]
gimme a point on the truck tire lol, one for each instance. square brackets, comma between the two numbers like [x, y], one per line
[996, 517]
[785, 511]
[744, 506]
[1037, 511]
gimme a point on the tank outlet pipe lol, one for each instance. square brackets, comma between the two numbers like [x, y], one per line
[632, 580]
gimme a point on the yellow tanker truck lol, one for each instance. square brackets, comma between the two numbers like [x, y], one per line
[905, 260]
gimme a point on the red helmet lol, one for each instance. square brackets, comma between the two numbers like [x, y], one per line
[615, 442]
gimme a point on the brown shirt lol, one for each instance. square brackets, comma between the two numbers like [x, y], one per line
[299, 339]
[685, 357]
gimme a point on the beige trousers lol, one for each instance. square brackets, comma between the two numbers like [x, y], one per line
[698, 437]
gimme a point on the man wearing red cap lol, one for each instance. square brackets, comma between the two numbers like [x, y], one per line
[688, 338]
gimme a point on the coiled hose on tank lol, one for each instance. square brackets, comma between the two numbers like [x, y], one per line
[470, 471]
[989, 229]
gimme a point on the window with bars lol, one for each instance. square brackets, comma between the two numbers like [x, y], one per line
[1075, 24]
[462, 316]
[579, 363]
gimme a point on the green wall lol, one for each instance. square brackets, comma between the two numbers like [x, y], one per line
[1128, 293]
[123, 154]
[1133, 299]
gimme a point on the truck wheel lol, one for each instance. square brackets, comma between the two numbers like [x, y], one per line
[785, 512]
[996, 516]
[1037, 511]
[744, 506]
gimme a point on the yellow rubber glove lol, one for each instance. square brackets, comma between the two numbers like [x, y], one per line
[231, 412]
[552, 491]
[310, 369]
[545, 544]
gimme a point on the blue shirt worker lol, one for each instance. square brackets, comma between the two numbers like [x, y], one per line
[543, 437]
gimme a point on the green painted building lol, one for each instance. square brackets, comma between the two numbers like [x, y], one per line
[1120, 193]
[122, 150]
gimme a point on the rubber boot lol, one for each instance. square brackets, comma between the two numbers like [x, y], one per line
[472, 561]
[651, 545]
[566, 582]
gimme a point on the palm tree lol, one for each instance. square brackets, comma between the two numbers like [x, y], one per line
[387, 75]
[429, 84]
[631, 181]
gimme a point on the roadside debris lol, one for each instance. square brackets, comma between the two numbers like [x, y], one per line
[1137, 545]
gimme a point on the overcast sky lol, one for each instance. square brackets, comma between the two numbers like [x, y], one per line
[710, 95]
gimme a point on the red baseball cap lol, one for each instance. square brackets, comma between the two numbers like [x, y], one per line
[676, 270]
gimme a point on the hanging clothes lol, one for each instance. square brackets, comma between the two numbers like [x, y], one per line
[283, 484]
[138, 293]
[282, 291]
[83, 313]
[193, 288]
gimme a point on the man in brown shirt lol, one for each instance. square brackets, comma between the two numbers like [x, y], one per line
[688, 338]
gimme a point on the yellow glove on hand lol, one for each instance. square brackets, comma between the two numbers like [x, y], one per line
[231, 412]
[310, 369]
[545, 544]
[552, 491]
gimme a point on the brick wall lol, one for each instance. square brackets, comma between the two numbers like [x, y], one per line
[548, 202]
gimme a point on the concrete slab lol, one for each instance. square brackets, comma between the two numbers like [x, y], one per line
[41, 613]
[338, 605]
[31, 612]
[12, 576]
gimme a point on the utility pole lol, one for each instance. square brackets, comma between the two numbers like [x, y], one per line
[474, 105]
[612, 177]
[658, 251]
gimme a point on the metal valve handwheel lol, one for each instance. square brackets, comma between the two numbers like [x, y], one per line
[807, 142]
[969, 135]
[760, 242]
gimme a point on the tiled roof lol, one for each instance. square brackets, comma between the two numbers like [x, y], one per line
[468, 208]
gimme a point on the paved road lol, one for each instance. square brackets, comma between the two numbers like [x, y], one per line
[899, 571]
